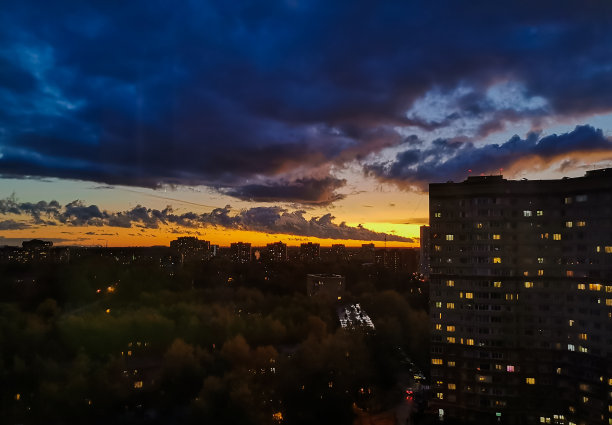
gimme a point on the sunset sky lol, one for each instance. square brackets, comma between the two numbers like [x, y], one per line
[132, 123]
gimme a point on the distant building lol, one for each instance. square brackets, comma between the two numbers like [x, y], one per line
[36, 250]
[310, 252]
[367, 253]
[36, 244]
[329, 286]
[338, 253]
[240, 252]
[521, 299]
[424, 253]
[189, 248]
[277, 252]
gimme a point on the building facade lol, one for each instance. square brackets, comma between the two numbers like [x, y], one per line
[277, 252]
[521, 299]
[328, 286]
[240, 252]
[425, 243]
[310, 252]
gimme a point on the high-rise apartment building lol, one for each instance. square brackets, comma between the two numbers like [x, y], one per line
[240, 252]
[277, 252]
[521, 299]
[310, 252]
[425, 243]
[190, 248]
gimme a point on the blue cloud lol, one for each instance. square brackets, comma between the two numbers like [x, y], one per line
[451, 160]
[218, 93]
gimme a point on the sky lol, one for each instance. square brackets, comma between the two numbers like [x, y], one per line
[133, 123]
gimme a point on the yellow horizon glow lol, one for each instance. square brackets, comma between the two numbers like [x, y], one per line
[135, 237]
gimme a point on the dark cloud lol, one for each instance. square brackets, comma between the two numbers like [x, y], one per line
[227, 93]
[307, 191]
[451, 160]
[13, 225]
[272, 220]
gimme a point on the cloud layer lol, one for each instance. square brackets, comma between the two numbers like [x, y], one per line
[262, 101]
[451, 160]
[273, 220]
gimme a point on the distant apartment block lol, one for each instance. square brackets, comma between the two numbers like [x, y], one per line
[310, 252]
[330, 286]
[189, 248]
[277, 252]
[521, 299]
[338, 253]
[240, 252]
[425, 242]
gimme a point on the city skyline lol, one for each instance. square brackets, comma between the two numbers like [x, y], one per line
[133, 124]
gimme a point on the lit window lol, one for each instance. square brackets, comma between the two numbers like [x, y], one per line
[583, 337]
[469, 341]
[530, 381]
[499, 367]
[138, 384]
[581, 286]
[437, 248]
[595, 286]
[510, 368]
[526, 213]
[496, 260]
[450, 339]
[571, 322]
[609, 302]
[540, 260]
[469, 295]
[440, 396]
[452, 364]
[450, 237]
[450, 328]
[496, 237]
[540, 272]
[539, 213]
[569, 273]
[568, 200]
[571, 347]
[509, 297]
[608, 288]
[568, 224]
[479, 225]
[528, 284]
[450, 306]
[436, 361]
[608, 249]
[543, 235]
[437, 214]
[585, 399]
[497, 284]
[438, 326]
[581, 223]
[557, 236]
[450, 283]
[439, 304]
[452, 386]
